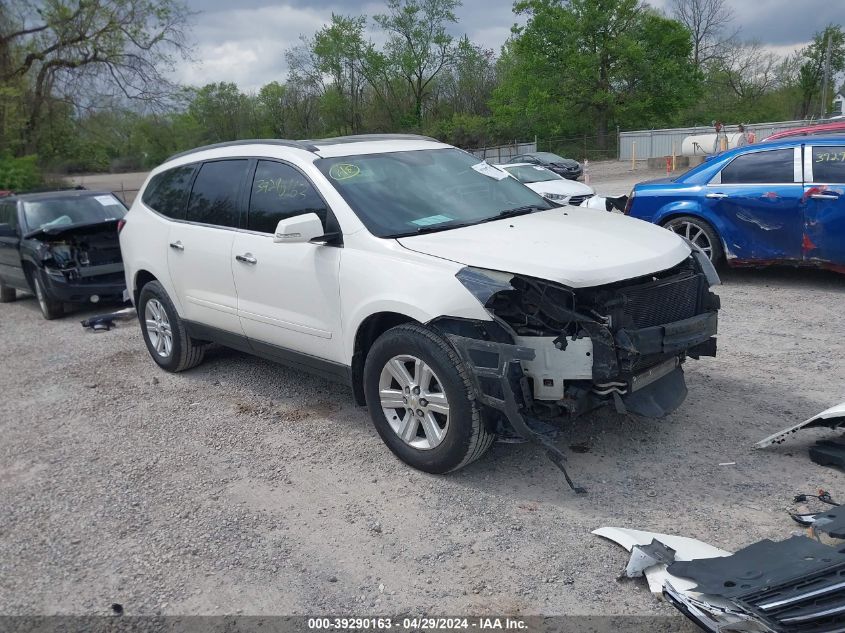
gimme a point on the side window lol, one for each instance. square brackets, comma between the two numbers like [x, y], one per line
[168, 191]
[775, 166]
[279, 191]
[214, 197]
[9, 214]
[829, 165]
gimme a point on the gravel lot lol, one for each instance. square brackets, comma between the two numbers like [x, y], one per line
[244, 487]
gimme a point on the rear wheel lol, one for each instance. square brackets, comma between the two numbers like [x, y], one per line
[50, 308]
[421, 400]
[7, 294]
[164, 332]
[700, 233]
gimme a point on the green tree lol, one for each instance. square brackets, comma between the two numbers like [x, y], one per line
[418, 45]
[590, 64]
[222, 110]
[811, 74]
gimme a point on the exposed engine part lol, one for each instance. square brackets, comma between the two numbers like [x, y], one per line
[80, 257]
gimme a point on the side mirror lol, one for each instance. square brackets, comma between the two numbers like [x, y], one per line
[299, 228]
[6, 230]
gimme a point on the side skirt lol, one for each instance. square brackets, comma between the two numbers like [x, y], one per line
[336, 372]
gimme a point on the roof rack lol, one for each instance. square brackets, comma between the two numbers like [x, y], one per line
[362, 138]
[249, 141]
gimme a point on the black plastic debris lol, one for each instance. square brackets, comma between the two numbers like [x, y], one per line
[830, 522]
[829, 453]
[117, 608]
[105, 322]
[794, 585]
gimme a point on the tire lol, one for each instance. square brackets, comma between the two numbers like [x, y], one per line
[701, 233]
[50, 308]
[7, 294]
[462, 435]
[159, 318]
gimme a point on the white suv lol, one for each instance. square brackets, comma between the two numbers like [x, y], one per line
[457, 303]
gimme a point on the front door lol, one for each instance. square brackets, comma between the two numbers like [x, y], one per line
[288, 294]
[825, 204]
[11, 269]
[200, 248]
[757, 196]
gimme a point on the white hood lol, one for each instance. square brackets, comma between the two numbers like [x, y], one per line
[570, 245]
[563, 187]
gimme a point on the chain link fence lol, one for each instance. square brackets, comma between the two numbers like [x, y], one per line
[585, 146]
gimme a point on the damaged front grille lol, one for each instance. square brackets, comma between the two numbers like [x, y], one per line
[534, 307]
[663, 301]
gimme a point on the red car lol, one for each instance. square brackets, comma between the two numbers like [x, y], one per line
[836, 127]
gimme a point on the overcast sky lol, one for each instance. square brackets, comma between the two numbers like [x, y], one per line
[244, 41]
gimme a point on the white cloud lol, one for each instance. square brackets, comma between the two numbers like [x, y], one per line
[247, 46]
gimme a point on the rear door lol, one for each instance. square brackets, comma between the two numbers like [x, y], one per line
[11, 270]
[200, 247]
[824, 191]
[756, 198]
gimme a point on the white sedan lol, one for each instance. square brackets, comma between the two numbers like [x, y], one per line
[548, 184]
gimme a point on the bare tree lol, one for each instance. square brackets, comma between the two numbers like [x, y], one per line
[750, 70]
[708, 21]
[71, 49]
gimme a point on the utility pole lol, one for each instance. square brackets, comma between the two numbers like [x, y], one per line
[826, 75]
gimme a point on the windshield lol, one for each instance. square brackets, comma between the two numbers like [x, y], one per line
[548, 156]
[532, 173]
[402, 193]
[63, 212]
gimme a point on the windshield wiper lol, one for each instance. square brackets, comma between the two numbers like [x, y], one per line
[429, 229]
[512, 213]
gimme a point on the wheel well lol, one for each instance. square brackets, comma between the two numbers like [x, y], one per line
[680, 214]
[142, 278]
[370, 329]
[28, 272]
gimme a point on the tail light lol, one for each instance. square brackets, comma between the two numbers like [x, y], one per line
[120, 225]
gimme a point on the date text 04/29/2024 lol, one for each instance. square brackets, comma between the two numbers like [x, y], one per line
[412, 623]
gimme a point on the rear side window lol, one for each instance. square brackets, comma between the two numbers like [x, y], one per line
[168, 191]
[279, 191]
[829, 165]
[9, 214]
[775, 166]
[214, 197]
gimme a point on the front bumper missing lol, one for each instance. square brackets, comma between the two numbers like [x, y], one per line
[498, 377]
[500, 382]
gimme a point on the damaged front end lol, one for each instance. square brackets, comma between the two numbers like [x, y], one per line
[80, 263]
[571, 350]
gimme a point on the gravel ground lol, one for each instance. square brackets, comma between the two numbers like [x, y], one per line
[245, 487]
[242, 486]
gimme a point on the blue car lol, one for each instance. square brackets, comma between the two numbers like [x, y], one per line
[781, 202]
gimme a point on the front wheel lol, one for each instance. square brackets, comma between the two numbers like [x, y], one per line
[164, 332]
[50, 308]
[421, 400]
[700, 233]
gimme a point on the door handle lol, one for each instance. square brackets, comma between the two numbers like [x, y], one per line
[178, 246]
[716, 195]
[824, 196]
[246, 259]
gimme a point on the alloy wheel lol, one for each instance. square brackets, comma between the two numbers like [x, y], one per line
[39, 295]
[413, 401]
[158, 328]
[695, 234]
